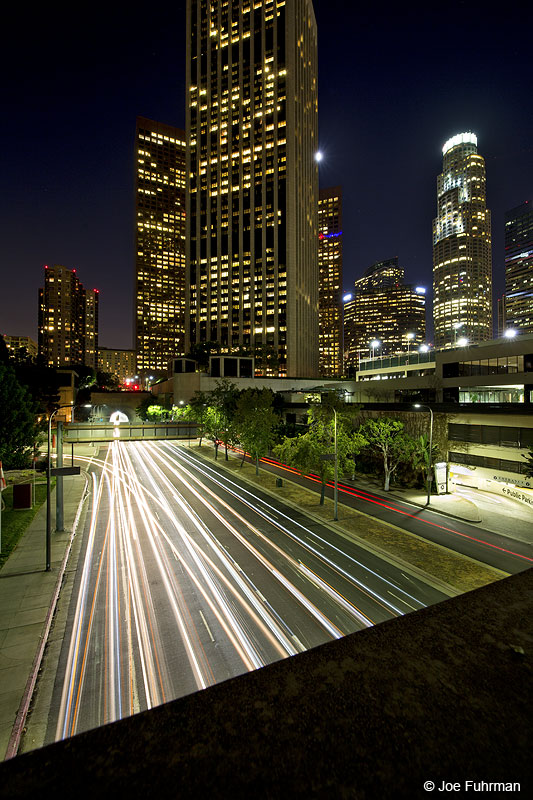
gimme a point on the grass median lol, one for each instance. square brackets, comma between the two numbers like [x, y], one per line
[14, 521]
[454, 569]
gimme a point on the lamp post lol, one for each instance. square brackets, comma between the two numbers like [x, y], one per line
[456, 326]
[410, 337]
[336, 489]
[419, 405]
[373, 345]
[48, 482]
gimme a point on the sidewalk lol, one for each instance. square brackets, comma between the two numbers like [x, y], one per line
[27, 598]
[450, 504]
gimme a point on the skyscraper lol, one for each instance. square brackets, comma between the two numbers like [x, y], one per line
[386, 310]
[68, 319]
[253, 181]
[462, 259]
[519, 268]
[160, 245]
[330, 281]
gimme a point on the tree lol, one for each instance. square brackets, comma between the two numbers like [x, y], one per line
[529, 464]
[144, 406]
[198, 411]
[107, 380]
[18, 426]
[388, 437]
[201, 352]
[305, 452]
[256, 422]
[222, 401]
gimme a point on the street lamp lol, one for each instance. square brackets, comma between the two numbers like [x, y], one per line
[456, 326]
[510, 333]
[462, 342]
[410, 337]
[48, 481]
[373, 345]
[419, 405]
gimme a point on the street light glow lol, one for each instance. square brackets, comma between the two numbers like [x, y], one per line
[462, 342]
[510, 333]
[319, 156]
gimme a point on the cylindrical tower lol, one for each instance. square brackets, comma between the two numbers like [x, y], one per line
[462, 258]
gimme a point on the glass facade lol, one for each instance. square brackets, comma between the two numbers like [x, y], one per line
[386, 315]
[330, 281]
[159, 245]
[519, 269]
[253, 182]
[68, 320]
[462, 260]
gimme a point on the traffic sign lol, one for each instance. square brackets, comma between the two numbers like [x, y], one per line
[62, 471]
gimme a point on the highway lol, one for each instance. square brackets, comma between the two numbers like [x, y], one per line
[187, 578]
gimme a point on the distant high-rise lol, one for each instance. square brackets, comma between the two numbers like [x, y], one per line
[462, 259]
[68, 320]
[120, 363]
[253, 180]
[384, 310]
[330, 281]
[519, 268]
[159, 244]
[16, 344]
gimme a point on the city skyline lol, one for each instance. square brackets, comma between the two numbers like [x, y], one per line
[386, 106]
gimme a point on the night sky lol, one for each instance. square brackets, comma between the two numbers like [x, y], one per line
[395, 81]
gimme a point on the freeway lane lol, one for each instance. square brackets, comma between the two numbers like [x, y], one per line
[187, 578]
[470, 540]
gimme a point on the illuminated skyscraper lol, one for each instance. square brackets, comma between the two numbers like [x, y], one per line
[160, 245]
[462, 259]
[519, 268]
[330, 281]
[253, 181]
[384, 310]
[68, 320]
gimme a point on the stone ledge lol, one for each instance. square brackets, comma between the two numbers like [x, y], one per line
[440, 694]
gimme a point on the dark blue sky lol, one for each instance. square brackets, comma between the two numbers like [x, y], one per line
[395, 81]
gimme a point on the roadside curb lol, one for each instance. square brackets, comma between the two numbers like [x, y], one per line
[20, 720]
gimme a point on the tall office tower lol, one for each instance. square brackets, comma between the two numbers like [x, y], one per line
[159, 245]
[253, 181]
[68, 319]
[462, 258]
[384, 311]
[519, 268]
[330, 281]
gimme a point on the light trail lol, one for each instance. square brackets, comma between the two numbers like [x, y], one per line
[251, 501]
[178, 589]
